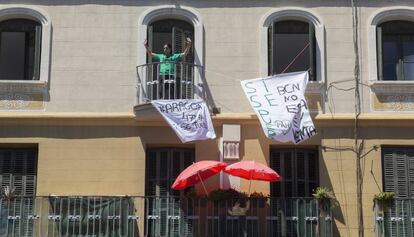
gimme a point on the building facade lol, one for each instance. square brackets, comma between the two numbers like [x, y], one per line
[78, 132]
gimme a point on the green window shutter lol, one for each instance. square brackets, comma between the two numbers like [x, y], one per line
[18, 170]
[37, 52]
[301, 174]
[184, 72]
[299, 170]
[398, 171]
[410, 172]
[312, 53]
[178, 40]
[163, 165]
[150, 42]
[270, 55]
[275, 164]
[379, 53]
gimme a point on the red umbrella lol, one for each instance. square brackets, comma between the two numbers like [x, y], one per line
[252, 170]
[197, 172]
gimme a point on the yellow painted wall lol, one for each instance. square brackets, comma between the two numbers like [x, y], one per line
[110, 159]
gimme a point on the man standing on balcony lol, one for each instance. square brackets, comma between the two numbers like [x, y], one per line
[166, 69]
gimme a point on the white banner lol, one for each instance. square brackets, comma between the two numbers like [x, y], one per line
[280, 104]
[190, 119]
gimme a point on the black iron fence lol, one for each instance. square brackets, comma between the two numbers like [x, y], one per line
[162, 216]
[394, 218]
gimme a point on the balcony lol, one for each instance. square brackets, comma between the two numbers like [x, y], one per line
[395, 218]
[171, 80]
[161, 216]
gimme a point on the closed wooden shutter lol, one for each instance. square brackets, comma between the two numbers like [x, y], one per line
[37, 52]
[299, 169]
[163, 166]
[312, 53]
[184, 71]
[379, 53]
[18, 168]
[270, 55]
[398, 171]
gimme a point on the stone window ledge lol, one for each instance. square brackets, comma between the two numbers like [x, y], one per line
[22, 86]
[392, 86]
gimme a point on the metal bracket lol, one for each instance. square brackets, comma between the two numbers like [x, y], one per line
[114, 217]
[94, 217]
[153, 217]
[33, 217]
[54, 217]
[174, 217]
[133, 217]
[74, 217]
[13, 217]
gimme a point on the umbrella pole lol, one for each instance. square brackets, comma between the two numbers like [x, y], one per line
[205, 190]
[250, 184]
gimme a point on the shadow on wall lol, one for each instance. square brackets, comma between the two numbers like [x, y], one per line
[337, 211]
[69, 132]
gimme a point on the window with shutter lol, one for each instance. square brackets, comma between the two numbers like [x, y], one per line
[398, 171]
[163, 165]
[18, 169]
[175, 32]
[299, 169]
[20, 49]
[291, 47]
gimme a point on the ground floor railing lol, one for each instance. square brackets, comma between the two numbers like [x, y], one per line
[162, 216]
[394, 218]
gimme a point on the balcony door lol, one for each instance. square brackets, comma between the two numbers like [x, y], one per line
[291, 203]
[174, 32]
[18, 168]
[163, 165]
[299, 169]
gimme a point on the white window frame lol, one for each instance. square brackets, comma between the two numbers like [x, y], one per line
[187, 14]
[16, 11]
[300, 14]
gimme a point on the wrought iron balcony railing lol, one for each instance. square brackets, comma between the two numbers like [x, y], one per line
[394, 218]
[168, 80]
[162, 216]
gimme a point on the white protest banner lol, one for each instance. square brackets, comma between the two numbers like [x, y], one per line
[190, 119]
[280, 104]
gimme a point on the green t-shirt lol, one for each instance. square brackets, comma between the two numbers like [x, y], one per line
[167, 68]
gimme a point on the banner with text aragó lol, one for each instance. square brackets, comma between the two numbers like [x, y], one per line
[280, 104]
[190, 119]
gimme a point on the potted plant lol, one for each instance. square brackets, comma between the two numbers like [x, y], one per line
[383, 200]
[258, 199]
[222, 197]
[325, 198]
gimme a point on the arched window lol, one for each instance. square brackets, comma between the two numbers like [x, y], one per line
[395, 50]
[20, 49]
[291, 45]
